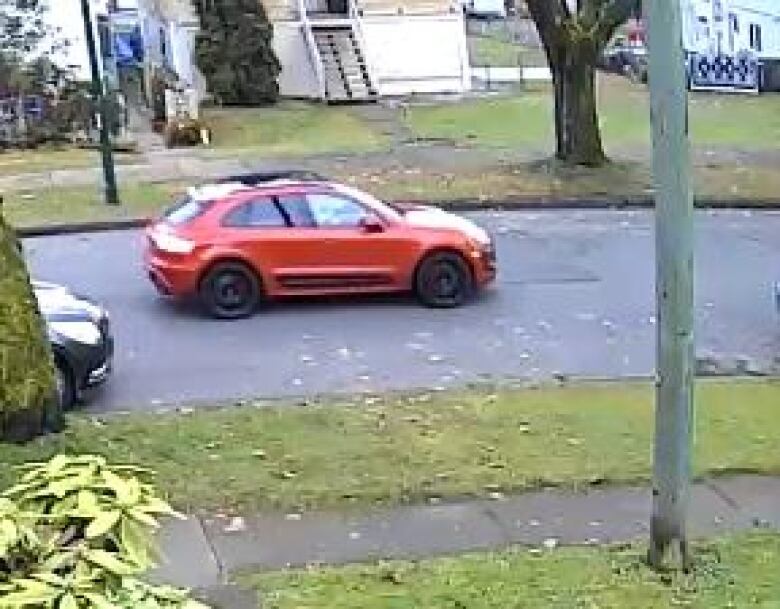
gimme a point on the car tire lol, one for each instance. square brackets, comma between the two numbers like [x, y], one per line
[443, 281]
[230, 290]
[65, 386]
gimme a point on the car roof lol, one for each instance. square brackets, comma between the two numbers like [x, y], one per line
[262, 177]
[226, 187]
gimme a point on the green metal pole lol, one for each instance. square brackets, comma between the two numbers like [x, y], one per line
[674, 283]
[98, 93]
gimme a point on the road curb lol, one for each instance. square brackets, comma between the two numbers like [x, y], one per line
[462, 205]
[73, 228]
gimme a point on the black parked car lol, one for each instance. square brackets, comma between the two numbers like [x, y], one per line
[625, 59]
[80, 335]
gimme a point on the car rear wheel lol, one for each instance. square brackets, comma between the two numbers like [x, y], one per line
[66, 389]
[444, 281]
[230, 290]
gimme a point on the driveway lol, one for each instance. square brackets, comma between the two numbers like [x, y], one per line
[575, 297]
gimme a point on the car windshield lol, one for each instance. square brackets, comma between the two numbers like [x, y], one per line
[186, 210]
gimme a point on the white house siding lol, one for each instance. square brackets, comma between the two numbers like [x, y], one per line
[64, 17]
[417, 53]
[724, 27]
[298, 77]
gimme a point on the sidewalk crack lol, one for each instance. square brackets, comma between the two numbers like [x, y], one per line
[730, 501]
[493, 517]
[221, 571]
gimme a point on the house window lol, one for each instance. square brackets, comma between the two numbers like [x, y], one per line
[756, 42]
[163, 44]
[717, 10]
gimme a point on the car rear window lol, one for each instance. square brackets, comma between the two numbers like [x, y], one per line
[186, 210]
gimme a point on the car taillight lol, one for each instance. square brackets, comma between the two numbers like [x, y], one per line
[171, 244]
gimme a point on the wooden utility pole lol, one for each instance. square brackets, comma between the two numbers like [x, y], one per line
[99, 95]
[674, 283]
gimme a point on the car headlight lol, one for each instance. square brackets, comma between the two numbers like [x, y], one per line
[84, 332]
[172, 244]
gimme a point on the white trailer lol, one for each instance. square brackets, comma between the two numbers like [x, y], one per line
[732, 44]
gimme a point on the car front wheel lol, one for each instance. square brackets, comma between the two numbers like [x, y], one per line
[444, 281]
[230, 290]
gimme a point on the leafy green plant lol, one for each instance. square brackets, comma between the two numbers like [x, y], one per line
[75, 533]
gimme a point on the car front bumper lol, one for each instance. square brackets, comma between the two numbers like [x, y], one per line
[98, 359]
[485, 264]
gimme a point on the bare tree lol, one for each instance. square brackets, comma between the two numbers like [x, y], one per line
[574, 33]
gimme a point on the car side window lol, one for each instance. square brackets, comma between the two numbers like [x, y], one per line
[257, 213]
[296, 210]
[329, 210]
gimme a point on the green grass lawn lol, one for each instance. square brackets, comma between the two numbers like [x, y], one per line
[56, 205]
[552, 181]
[526, 119]
[731, 573]
[287, 129]
[13, 162]
[291, 129]
[401, 449]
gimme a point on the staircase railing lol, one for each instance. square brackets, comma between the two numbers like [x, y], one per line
[314, 52]
[357, 27]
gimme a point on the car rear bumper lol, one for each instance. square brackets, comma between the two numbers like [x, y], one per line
[172, 278]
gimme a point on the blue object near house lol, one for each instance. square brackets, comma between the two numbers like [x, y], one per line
[129, 47]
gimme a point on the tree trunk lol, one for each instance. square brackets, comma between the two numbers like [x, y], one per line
[577, 133]
[28, 406]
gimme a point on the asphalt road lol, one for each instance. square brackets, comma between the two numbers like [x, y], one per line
[575, 297]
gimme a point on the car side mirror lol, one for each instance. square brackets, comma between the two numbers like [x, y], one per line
[372, 225]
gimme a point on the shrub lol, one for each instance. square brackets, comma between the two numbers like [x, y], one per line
[184, 132]
[75, 533]
[235, 53]
[27, 391]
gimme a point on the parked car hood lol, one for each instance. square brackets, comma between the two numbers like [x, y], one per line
[58, 302]
[433, 217]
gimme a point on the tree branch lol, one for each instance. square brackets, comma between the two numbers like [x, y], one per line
[611, 15]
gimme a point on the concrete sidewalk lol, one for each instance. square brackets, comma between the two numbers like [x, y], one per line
[202, 553]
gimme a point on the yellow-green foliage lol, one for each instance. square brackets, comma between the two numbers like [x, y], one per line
[26, 371]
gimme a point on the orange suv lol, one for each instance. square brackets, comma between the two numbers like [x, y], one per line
[234, 243]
